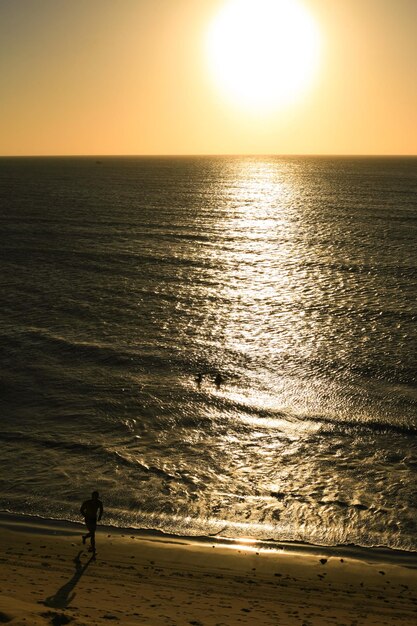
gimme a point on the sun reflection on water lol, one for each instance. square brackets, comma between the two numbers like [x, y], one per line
[262, 251]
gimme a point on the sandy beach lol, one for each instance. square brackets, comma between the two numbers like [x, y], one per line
[48, 577]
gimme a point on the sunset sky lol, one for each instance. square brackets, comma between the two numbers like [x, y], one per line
[136, 77]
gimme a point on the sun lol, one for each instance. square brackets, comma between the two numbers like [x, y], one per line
[263, 53]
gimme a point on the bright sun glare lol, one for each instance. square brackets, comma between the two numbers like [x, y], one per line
[263, 53]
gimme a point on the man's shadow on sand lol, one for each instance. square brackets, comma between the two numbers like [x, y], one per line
[62, 598]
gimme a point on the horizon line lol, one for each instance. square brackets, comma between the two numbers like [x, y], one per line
[211, 154]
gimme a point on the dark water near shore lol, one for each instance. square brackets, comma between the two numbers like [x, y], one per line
[295, 278]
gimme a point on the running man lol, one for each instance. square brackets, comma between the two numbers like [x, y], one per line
[90, 509]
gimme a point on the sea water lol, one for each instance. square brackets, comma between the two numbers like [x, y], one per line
[294, 278]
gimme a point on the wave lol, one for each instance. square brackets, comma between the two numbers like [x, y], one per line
[376, 371]
[337, 422]
[361, 425]
[48, 341]
[54, 526]
[85, 449]
[397, 270]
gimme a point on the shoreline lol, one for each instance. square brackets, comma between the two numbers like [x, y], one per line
[374, 554]
[47, 577]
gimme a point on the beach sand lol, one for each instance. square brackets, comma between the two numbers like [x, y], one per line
[48, 577]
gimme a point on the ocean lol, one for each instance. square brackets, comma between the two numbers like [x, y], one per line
[293, 278]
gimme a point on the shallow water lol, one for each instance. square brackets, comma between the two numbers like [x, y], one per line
[295, 278]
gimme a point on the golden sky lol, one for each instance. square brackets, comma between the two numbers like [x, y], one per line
[133, 77]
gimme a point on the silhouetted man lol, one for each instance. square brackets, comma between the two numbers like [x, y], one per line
[218, 380]
[90, 509]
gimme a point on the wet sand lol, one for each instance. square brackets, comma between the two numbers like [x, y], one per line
[47, 577]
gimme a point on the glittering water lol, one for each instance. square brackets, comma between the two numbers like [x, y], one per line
[294, 278]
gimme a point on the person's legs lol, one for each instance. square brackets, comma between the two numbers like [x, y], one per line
[91, 526]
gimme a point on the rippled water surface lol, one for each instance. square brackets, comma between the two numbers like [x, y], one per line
[294, 278]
